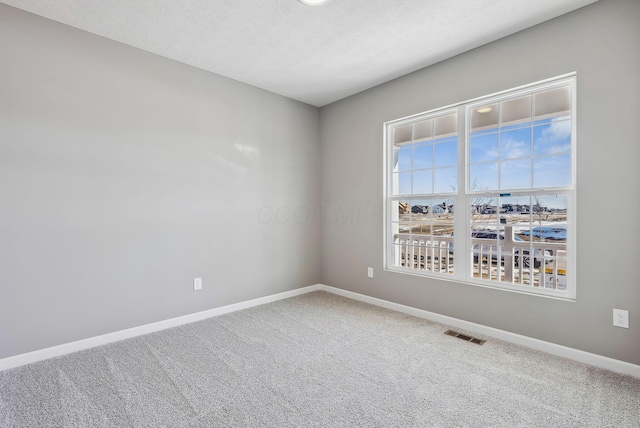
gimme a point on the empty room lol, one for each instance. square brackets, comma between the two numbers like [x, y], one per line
[307, 213]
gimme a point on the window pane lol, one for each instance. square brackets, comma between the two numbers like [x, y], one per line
[402, 134]
[396, 210]
[423, 156]
[421, 228]
[552, 171]
[420, 210]
[442, 226]
[549, 236]
[422, 182]
[553, 103]
[483, 147]
[402, 210]
[515, 211]
[446, 125]
[484, 117]
[515, 219]
[401, 183]
[552, 137]
[549, 218]
[403, 156]
[515, 143]
[446, 153]
[445, 180]
[423, 130]
[442, 217]
[483, 176]
[516, 111]
[515, 174]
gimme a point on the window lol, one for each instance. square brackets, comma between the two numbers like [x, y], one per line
[484, 191]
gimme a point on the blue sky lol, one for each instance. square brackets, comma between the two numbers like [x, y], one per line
[513, 157]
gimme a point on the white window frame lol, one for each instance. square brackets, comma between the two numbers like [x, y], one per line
[462, 244]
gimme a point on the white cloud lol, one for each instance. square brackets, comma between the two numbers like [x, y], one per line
[555, 138]
[558, 130]
[514, 149]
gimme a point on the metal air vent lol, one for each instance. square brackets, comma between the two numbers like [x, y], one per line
[464, 337]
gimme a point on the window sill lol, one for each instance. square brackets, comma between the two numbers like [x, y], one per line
[565, 296]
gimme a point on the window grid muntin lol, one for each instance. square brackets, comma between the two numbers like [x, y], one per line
[534, 122]
[567, 81]
[433, 140]
[546, 262]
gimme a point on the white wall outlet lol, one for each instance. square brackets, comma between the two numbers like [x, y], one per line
[197, 283]
[370, 272]
[621, 318]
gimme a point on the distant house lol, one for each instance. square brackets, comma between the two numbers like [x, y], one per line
[420, 209]
[442, 208]
[515, 209]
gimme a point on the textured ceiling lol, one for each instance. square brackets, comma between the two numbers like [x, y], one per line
[315, 54]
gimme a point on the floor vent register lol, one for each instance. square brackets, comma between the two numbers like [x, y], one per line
[464, 337]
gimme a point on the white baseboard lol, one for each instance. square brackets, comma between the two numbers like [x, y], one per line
[540, 345]
[551, 348]
[67, 348]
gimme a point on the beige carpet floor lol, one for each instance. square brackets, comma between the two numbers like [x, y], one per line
[317, 360]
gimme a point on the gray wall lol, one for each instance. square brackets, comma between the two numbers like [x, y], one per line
[124, 175]
[602, 43]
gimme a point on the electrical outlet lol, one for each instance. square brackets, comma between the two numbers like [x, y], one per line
[370, 272]
[197, 283]
[621, 318]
